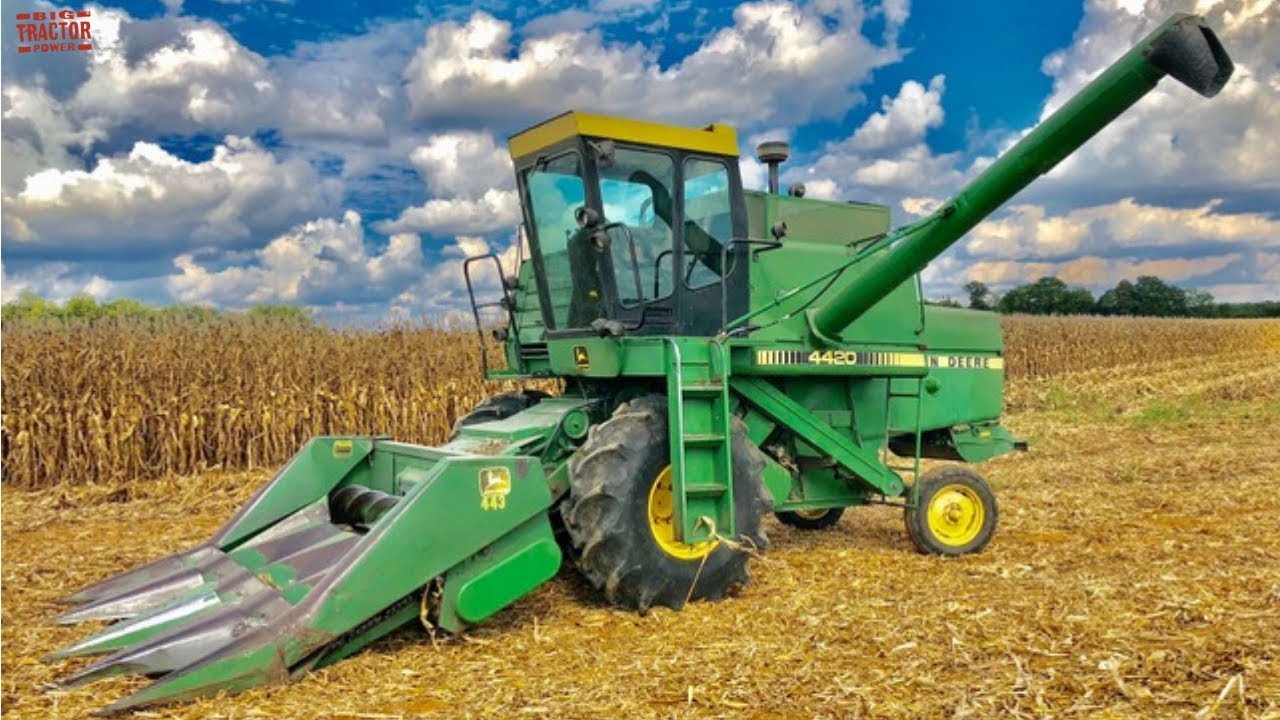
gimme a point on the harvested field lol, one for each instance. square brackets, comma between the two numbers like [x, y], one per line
[1136, 574]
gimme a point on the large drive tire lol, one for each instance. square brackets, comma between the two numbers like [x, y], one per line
[614, 480]
[811, 519]
[499, 407]
[956, 513]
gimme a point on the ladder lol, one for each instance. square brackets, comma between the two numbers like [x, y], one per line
[700, 427]
[914, 467]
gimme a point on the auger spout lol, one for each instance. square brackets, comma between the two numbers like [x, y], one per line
[1183, 47]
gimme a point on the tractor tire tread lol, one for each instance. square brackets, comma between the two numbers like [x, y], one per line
[605, 513]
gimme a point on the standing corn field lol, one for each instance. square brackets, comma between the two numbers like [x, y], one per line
[110, 402]
[1052, 345]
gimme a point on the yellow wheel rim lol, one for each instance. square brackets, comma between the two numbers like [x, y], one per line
[662, 522]
[812, 514]
[956, 514]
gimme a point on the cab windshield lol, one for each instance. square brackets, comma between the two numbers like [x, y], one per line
[637, 213]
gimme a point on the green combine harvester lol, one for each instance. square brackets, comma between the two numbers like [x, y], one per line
[724, 354]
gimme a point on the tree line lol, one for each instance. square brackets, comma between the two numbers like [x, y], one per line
[1147, 296]
[30, 307]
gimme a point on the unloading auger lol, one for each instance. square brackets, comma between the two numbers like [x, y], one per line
[710, 377]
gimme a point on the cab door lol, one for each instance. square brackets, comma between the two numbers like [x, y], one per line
[712, 277]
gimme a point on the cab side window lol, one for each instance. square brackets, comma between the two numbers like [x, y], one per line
[636, 191]
[708, 225]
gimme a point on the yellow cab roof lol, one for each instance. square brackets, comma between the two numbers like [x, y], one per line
[715, 139]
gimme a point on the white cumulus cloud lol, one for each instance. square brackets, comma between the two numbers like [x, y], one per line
[887, 158]
[471, 183]
[317, 262]
[55, 281]
[493, 211]
[149, 200]
[463, 164]
[778, 62]
[1030, 231]
[1173, 140]
[903, 119]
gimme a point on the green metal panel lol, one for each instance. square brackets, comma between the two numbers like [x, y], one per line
[310, 475]
[959, 395]
[978, 442]
[778, 481]
[870, 410]
[405, 612]
[795, 359]
[439, 524]
[821, 488]
[506, 571]
[857, 460]
[590, 356]
[777, 275]
[813, 220]
[512, 434]
[960, 329]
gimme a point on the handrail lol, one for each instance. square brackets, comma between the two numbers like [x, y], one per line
[506, 303]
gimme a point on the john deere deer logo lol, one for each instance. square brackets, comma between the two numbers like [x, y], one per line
[495, 485]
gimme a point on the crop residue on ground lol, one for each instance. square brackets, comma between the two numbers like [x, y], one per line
[1136, 574]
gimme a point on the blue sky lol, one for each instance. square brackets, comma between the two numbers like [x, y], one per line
[346, 156]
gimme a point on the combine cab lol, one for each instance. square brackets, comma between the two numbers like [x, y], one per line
[724, 354]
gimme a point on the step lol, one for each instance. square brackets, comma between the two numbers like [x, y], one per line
[703, 489]
[703, 439]
[706, 389]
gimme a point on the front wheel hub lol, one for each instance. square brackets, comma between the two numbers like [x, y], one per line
[956, 514]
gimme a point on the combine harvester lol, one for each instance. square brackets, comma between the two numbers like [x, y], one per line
[710, 377]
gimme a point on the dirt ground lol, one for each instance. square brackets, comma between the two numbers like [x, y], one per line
[1136, 573]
